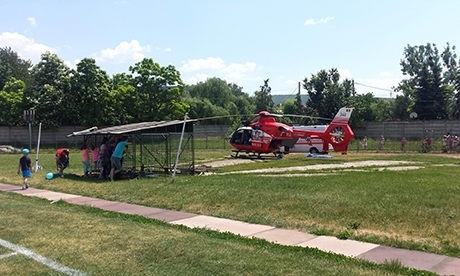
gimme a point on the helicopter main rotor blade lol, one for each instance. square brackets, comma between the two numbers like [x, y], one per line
[305, 116]
[223, 116]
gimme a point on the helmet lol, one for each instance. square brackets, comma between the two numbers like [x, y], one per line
[24, 151]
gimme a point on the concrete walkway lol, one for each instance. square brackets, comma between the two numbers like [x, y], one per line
[442, 265]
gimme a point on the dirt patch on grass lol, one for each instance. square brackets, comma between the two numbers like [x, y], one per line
[379, 164]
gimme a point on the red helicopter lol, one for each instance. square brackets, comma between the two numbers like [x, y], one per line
[264, 135]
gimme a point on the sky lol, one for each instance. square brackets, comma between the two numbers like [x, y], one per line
[240, 41]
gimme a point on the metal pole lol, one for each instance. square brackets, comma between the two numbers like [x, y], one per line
[30, 135]
[36, 167]
[180, 145]
[29, 116]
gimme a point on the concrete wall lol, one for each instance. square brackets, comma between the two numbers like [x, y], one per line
[19, 136]
[408, 129]
[57, 137]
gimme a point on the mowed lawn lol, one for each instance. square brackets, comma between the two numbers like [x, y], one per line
[416, 209]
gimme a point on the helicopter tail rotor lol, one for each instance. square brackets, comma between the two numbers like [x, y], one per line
[339, 132]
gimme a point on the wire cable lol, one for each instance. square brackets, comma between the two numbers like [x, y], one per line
[384, 89]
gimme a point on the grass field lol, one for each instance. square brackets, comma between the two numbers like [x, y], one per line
[416, 209]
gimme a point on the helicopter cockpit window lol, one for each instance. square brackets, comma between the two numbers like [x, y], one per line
[242, 137]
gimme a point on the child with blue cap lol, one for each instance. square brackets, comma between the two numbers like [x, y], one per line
[25, 165]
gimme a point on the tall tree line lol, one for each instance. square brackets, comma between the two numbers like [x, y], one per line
[87, 96]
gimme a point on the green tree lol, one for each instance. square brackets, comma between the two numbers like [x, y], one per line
[326, 94]
[216, 90]
[51, 82]
[123, 100]
[11, 65]
[12, 103]
[90, 94]
[215, 97]
[381, 110]
[263, 98]
[244, 103]
[203, 108]
[363, 111]
[451, 81]
[160, 91]
[423, 65]
[400, 108]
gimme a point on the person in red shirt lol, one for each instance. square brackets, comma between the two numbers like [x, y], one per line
[427, 141]
[62, 160]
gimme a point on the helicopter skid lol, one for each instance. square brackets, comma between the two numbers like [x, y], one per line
[255, 155]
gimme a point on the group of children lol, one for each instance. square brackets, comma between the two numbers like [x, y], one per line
[85, 158]
[449, 142]
[107, 159]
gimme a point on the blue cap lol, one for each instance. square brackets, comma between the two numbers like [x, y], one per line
[24, 151]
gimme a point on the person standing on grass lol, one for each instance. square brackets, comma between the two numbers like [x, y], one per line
[62, 160]
[25, 165]
[382, 142]
[95, 156]
[365, 142]
[85, 160]
[117, 154]
[403, 144]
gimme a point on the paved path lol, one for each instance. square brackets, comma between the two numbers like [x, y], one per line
[442, 265]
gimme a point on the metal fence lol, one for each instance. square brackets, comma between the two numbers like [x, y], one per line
[216, 136]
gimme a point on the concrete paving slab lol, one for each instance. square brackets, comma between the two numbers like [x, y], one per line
[409, 258]
[223, 225]
[169, 216]
[49, 195]
[449, 266]
[29, 191]
[102, 203]
[142, 210]
[7, 188]
[284, 236]
[132, 209]
[81, 200]
[348, 248]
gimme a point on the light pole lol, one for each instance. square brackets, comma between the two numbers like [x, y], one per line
[29, 117]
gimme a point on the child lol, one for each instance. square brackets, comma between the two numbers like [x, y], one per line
[62, 160]
[85, 160]
[403, 144]
[95, 156]
[25, 165]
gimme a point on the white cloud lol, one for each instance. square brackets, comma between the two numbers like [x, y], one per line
[26, 47]
[202, 64]
[32, 21]
[291, 82]
[325, 20]
[322, 20]
[344, 74]
[380, 86]
[125, 51]
[201, 69]
[310, 22]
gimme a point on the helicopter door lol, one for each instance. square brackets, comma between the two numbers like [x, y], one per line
[242, 137]
[246, 137]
